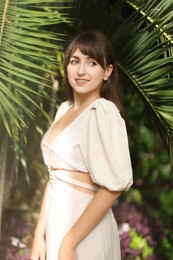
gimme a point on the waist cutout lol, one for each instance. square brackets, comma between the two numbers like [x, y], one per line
[65, 175]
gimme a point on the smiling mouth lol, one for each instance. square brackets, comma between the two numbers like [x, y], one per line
[81, 80]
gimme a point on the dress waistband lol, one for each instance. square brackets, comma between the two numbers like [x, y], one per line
[58, 174]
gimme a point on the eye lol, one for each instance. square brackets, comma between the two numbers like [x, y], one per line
[74, 61]
[92, 63]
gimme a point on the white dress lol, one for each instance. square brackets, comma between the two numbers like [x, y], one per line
[95, 142]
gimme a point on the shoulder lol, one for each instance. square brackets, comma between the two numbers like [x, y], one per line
[106, 115]
[62, 108]
[105, 106]
[64, 105]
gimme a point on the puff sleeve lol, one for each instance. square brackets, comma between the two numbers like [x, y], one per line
[105, 148]
[64, 106]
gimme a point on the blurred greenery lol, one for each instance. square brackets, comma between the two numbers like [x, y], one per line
[141, 34]
[28, 52]
[138, 242]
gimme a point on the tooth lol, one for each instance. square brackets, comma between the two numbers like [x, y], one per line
[82, 80]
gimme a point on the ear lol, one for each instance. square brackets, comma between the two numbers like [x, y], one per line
[108, 72]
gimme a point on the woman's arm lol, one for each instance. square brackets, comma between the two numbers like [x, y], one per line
[96, 210]
[38, 249]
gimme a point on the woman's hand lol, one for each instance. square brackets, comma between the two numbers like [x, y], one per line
[67, 252]
[38, 249]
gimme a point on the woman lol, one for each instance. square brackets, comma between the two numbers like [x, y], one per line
[86, 151]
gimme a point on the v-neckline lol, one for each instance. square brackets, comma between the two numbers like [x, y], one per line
[69, 125]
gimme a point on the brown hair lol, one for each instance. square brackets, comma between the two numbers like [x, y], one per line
[97, 46]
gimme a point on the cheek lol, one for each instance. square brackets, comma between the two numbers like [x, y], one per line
[100, 76]
[67, 69]
[70, 70]
[70, 75]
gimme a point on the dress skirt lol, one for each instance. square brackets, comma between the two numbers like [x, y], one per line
[64, 205]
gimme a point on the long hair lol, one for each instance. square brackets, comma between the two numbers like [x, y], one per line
[97, 46]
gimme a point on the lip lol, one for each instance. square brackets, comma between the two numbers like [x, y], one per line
[81, 81]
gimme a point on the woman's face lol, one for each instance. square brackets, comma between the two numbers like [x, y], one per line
[85, 74]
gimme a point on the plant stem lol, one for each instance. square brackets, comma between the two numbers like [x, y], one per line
[4, 19]
[150, 20]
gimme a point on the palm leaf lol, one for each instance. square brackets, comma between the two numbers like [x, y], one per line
[28, 52]
[149, 63]
[141, 33]
[26, 47]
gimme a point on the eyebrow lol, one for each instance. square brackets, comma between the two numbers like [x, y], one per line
[76, 57]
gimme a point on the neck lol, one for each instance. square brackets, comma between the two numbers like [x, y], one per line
[84, 100]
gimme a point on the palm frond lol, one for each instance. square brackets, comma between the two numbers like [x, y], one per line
[26, 47]
[28, 52]
[148, 64]
[141, 33]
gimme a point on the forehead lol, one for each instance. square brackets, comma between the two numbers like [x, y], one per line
[77, 53]
[86, 51]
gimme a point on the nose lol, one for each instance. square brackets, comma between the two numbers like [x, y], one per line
[81, 69]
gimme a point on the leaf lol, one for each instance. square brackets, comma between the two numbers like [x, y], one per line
[141, 34]
[26, 48]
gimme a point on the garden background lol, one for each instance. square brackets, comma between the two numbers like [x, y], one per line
[33, 35]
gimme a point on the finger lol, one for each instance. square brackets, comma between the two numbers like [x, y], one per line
[34, 257]
[42, 257]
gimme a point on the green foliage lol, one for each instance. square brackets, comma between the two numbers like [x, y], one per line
[139, 242]
[21, 252]
[153, 182]
[166, 200]
[141, 36]
[166, 248]
[136, 196]
[141, 33]
[26, 47]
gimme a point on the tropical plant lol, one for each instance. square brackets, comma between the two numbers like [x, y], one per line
[141, 33]
[27, 48]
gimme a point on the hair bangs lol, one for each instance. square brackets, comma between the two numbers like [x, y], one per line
[89, 47]
[93, 51]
